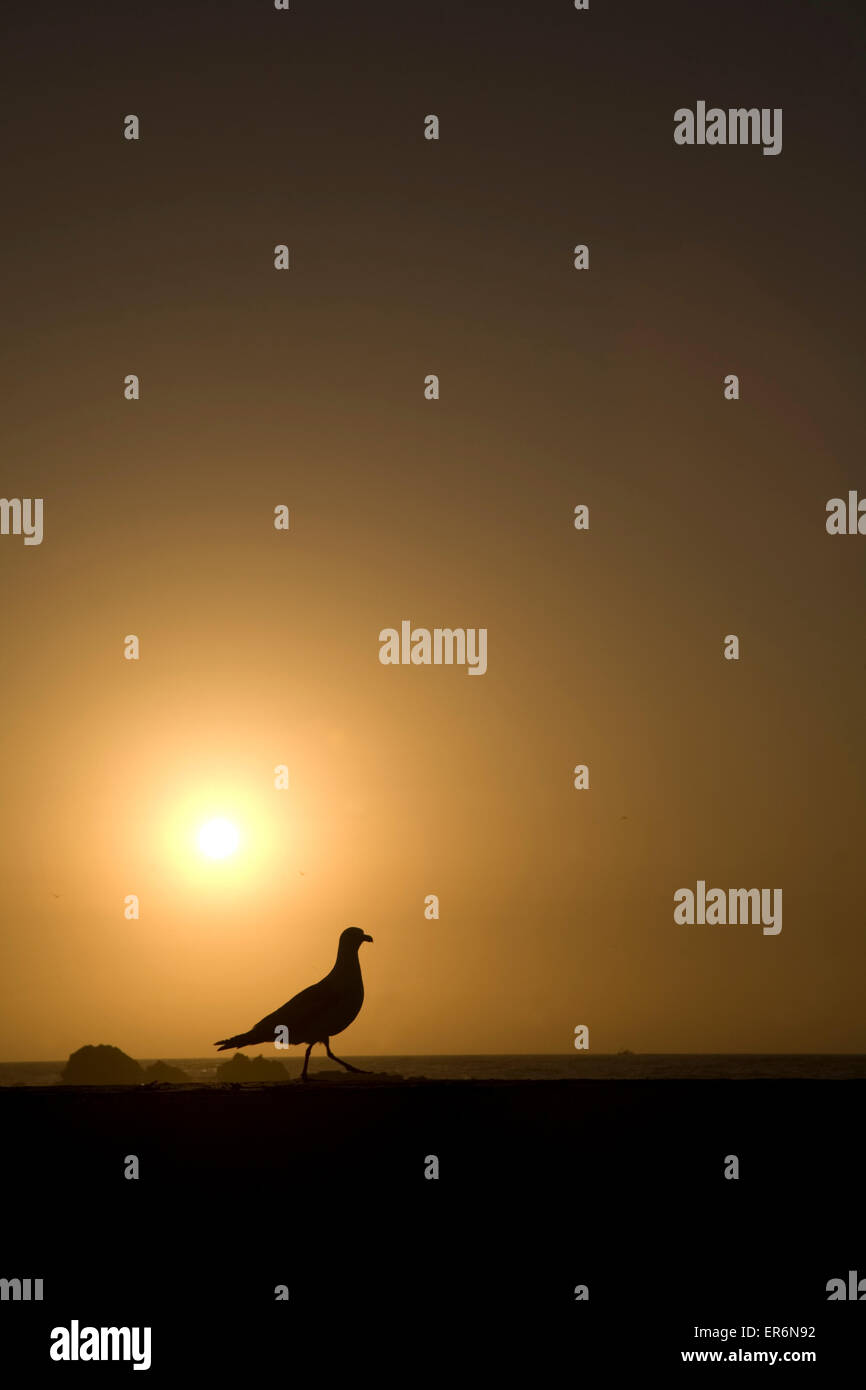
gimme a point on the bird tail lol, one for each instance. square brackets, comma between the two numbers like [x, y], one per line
[239, 1040]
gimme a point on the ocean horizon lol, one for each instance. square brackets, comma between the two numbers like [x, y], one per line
[625, 1066]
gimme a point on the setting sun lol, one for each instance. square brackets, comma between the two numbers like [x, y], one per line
[218, 838]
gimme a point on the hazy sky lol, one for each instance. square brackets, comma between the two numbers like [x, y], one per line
[306, 387]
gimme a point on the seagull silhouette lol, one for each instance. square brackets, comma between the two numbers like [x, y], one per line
[318, 1013]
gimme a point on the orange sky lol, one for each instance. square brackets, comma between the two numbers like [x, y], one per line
[259, 648]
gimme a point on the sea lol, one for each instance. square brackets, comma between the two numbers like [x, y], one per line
[622, 1066]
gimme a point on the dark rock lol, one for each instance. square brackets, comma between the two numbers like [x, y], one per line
[163, 1071]
[101, 1066]
[256, 1069]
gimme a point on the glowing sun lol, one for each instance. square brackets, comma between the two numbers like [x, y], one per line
[218, 838]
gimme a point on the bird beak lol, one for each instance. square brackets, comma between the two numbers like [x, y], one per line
[366, 938]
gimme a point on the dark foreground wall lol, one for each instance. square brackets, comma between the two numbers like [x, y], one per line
[543, 1186]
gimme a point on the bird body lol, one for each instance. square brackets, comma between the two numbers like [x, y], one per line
[319, 1012]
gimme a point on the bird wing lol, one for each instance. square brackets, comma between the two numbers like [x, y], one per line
[311, 1009]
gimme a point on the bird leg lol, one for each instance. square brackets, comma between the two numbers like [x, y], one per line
[347, 1065]
[306, 1062]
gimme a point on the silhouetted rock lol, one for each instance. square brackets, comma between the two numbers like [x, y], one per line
[163, 1071]
[101, 1066]
[242, 1068]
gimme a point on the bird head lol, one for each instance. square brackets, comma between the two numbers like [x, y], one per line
[353, 937]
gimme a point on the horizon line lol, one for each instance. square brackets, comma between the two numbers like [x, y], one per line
[19, 1061]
